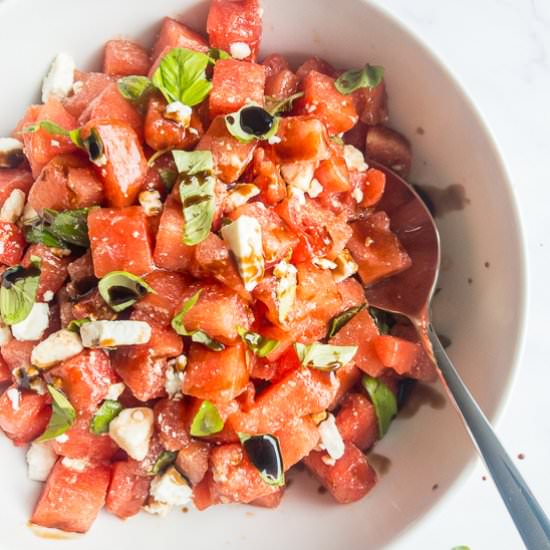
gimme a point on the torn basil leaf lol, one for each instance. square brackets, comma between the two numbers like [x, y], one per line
[121, 289]
[340, 320]
[251, 123]
[198, 336]
[197, 184]
[108, 411]
[207, 421]
[369, 76]
[168, 178]
[277, 106]
[324, 356]
[60, 229]
[56, 130]
[383, 400]
[93, 145]
[75, 324]
[264, 452]
[164, 460]
[257, 343]
[134, 88]
[181, 76]
[63, 415]
[383, 319]
[18, 292]
[216, 54]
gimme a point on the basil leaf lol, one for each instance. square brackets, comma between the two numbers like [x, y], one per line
[265, 454]
[257, 343]
[193, 162]
[277, 106]
[165, 459]
[207, 421]
[18, 293]
[121, 289]
[251, 123]
[108, 411]
[384, 320]
[215, 54]
[75, 324]
[56, 130]
[198, 336]
[181, 76]
[134, 88]
[63, 415]
[324, 356]
[383, 400]
[59, 229]
[168, 178]
[39, 235]
[340, 320]
[369, 76]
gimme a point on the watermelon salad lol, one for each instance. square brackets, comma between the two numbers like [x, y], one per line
[185, 240]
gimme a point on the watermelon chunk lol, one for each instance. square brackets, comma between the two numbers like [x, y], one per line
[303, 138]
[71, 499]
[53, 270]
[87, 87]
[120, 241]
[372, 104]
[5, 372]
[174, 34]
[17, 353]
[234, 85]
[357, 421]
[11, 179]
[12, 243]
[170, 422]
[192, 460]
[124, 57]
[128, 490]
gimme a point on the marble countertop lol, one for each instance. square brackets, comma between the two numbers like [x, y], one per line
[500, 51]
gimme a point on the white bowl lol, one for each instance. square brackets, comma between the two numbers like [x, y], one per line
[484, 318]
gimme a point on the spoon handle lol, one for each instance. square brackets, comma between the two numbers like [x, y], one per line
[530, 519]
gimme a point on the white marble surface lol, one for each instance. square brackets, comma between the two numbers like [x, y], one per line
[500, 52]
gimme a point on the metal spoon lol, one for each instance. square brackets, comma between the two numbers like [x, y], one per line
[409, 293]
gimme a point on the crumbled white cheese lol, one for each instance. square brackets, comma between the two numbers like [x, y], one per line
[315, 188]
[273, 140]
[55, 143]
[297, 193]
[132, 429]
[29, 214]
[244, 239]
[328, 460]
[63, 438]
[11, 152]
[324, 263]
[57, 347]
[239, 50]
[110, 334]
[357, 195]
[60, 78]
[331, 440]
[150, 202]
[157, 508]
[78, 86]
[76, 464]
[239, 195]
[354, 159]
[48, 296]
[5, 334]
[298, 174]
[179, 113]
[345, 266]
[14, 395]
[173, 383]
[171, 488]
[40, 460]
[34, 326]
[115, 391]
[287, 276]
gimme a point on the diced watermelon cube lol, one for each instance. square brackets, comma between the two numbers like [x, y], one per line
[231, 21]
[124, 167]
[303, 138]
[281, 85]
[12, 243]
[352, 293]
[5, 372]
[204, 494]
[269, 501]
[372, 104]
[297, 439]
[11, 179]
[192, 460]
[128, 490]
[170, 422]
[24, 415]
[17, 353]
[124, 57]
[349, 480]
[215, 375]
[357, 421]
[71, 499]
[322, 100]
[396, 353]
[234, 85]
[315, 64]
[87, 87]
[174, 34]
[423, 368]
[333, 175]
[376, 249]
[231, 157]
[120, 240]
[275, 63]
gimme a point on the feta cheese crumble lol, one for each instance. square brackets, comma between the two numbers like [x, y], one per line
[110, 334]
[57, 347]
[345, 266]
[239, 195]
[178, 112]
[60, 78]
[171, 488]
[40, 461]
[150, 202]
[14, 395]
[174, 380]
[240, 50]
[76, 464]
[34, 326]
[287, 276]
[132, 429]
[354, 159]
[331, 440]
[115, 391]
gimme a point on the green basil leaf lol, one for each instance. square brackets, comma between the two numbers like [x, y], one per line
[369, 76]
[252, 123]
[18, 293]
[181, 76]
[216, 54]
[257, 343]
[264, 452]
[75, 324]
[168, 178]
[324, 356]
[198, 336]
[277, 106]
[56, 130]
[38, 234]
[108, 411]
[164, 460]
[59, 229]
[207, 421]
[199, 203]
[121, 289]
[383, 400]
[134, 88]
[340, 320]
[384, 320]
[193, 162]
[63, 415]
